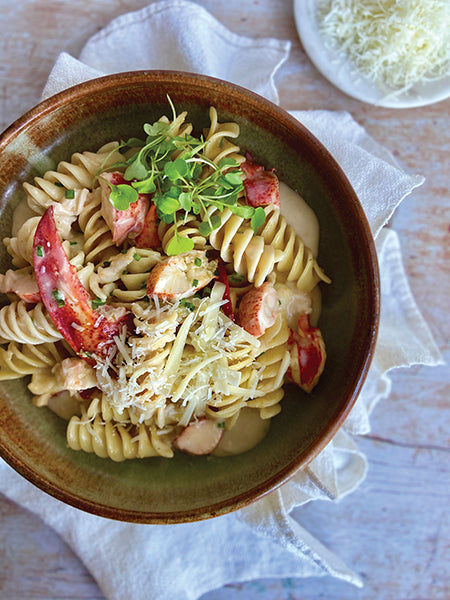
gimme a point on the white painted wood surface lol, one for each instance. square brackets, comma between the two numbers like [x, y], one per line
[394, 529]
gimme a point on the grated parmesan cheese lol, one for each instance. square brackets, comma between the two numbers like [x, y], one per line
[184, 357]
[394, 43]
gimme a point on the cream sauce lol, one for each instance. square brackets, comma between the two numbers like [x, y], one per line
[300, 216]
[248, 430]
[22, 213]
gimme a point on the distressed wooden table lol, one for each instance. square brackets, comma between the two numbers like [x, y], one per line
[394, 529]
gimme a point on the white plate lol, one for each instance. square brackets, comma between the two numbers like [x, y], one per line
[344, 76]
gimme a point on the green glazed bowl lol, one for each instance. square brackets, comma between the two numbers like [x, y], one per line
[186, 488]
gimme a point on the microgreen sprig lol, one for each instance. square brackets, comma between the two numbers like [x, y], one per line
[182, 179]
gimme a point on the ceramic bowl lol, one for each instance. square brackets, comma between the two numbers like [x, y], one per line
[186, 488]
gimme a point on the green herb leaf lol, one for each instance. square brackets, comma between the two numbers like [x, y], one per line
[146, 186]
[136, 170]
[216, 221]
[233, 177]
[133, 143]
[246, 212]
[176, 169]
[168, 205]
[204, 228]
[166, 218]
[122, 196]
[187, 304]
[185, 200]
[157, 128]
[69, 194]
[97, 302]
[257, 219]
[179, 244]
[227, 162]
[39, 251]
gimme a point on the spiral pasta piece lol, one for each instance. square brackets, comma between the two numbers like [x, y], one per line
[18, 360]
[297, 262]
[249, 254]
[115, 441]
[134, 279]
[98, 241]
[227, 407]
[77, 174]
[20, 247]
[178, 127]
[218, 145]
[274, 362]
[100, 405]
[17, 324]
[188, 228]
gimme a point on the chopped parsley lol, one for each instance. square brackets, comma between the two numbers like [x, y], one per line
[59, 297]
[97, 302]
[39, 251]
[69, 194]
[187, 304]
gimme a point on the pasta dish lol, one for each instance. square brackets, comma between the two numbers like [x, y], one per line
[158, 299]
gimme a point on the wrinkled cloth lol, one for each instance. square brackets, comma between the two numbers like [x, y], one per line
[182, 562]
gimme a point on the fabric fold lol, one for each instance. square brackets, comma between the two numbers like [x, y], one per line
[174, 35]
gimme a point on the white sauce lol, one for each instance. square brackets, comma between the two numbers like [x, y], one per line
[300, 216]
[64, 405]
[248, 430]
[22, 213]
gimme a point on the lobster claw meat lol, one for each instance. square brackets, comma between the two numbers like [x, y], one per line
[308, 355]
[122, 222]
[258, 309]
[223, 278]
[180, 276]
[68, 303]
[149, 237]
[261, 185]
[199, 437]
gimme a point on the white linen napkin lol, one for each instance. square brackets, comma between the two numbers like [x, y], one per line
[184, 561]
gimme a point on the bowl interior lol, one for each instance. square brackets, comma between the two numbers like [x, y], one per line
[184, 488]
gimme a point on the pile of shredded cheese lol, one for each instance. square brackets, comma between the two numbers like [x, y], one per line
[179, 355]
[394, 43]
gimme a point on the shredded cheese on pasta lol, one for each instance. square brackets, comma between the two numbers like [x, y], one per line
[180, 355]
